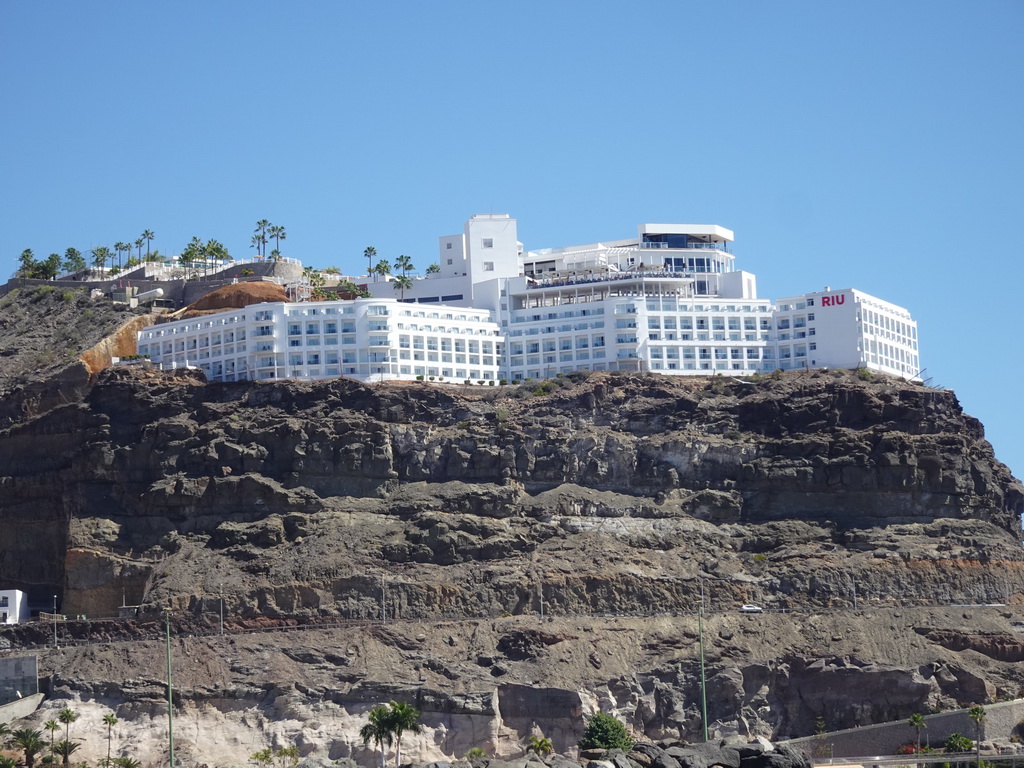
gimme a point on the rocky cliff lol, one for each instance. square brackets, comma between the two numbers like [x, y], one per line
[537, 554]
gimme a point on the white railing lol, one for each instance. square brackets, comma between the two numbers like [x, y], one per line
[704, 246]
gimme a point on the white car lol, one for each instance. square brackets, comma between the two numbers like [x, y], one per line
[751, 609]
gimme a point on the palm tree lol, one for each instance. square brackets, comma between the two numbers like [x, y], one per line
[288, 756]
[378, 730]
[5, 732]
[147, 235]
[977, 714]
[383, 268]
[278, 233]
[402, 717]
[110, 720]
[100, 256]
[28, 262]
[193, 252]
[138, 248]
[48, 268]
[261, 229]
[66, 749]
[370, 253]
[433, 269]
[6, 761]
[404, 263]
[121, 248]
[917, 722]
[541, 745]
[51, 726]
[402, 282]
[214, 249]
[30, 741]
[73, 260]
[67, 716]
[127, 762]
[255, 243]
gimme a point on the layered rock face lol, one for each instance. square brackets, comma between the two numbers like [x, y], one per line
[540, 528]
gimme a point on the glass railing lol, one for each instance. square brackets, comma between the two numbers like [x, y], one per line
[688, 246]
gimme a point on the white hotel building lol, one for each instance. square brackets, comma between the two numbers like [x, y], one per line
[668, 300]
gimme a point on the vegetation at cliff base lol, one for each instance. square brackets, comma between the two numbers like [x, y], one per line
[605, 732]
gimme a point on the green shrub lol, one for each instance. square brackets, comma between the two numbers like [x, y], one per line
[958, 743]
[605, 732]
[476, 753]
[864, 374]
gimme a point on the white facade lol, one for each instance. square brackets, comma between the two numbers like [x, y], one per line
[846, 329]
[364, 339]
[13, 607]
[669, 300]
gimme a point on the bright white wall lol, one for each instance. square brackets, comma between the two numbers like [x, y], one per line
[503, 253]
[16, 609]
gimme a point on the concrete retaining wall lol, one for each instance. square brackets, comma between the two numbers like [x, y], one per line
[20, 708]
[885, 738]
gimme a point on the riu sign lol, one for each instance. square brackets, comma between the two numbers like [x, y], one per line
[833, 301]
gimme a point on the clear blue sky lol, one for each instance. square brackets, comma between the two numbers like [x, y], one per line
[875, 145]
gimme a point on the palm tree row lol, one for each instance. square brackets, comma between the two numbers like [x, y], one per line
[124, 247]
[30, 743]
[263, 232]
[383, 268]
[386, 724]
[198, 251]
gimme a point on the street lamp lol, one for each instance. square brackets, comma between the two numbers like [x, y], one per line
[170, 702]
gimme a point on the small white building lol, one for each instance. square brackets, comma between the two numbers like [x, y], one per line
[13, 607]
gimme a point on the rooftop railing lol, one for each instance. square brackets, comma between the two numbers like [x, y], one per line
[703, 246]
[604, 277]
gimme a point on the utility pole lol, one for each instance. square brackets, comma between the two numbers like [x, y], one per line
[383, 604]
[170, 702]
[54, 621]
[703, 681]
[220, 588]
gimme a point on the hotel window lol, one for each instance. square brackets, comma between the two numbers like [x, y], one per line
[488, 266]
[448, 247]
[488, 242]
